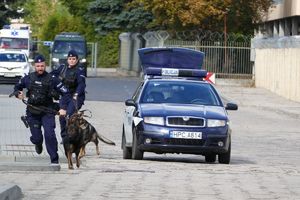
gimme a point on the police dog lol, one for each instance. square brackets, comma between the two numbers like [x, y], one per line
[81, 132]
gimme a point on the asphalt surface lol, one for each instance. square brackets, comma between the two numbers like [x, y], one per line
[265, 157]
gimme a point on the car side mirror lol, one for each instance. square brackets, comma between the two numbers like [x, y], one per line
[231, 106]
[130, 102]
[30, 60]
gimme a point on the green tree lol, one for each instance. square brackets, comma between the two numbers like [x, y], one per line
[77, 7]
[37, 13]
[109, 50]
[117, 15]
[10, 9]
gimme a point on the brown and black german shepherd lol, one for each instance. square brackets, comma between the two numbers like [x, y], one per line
[81, 132]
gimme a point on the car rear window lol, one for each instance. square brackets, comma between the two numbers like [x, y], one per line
[181, 92]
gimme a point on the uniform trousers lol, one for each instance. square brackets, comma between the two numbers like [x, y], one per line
[47, 121]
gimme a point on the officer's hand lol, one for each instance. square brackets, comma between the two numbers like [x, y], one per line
[75, 96]
[62, 112]
[20, 95]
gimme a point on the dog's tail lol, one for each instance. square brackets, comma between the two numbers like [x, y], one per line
[105, 140]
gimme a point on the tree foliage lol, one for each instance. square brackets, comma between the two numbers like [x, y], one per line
[10, 9]
[38, 12]
[206, 14]
[60, 22]
[117, 15]
[109, 50]
[77, 7]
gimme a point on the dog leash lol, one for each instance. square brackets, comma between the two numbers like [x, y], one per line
[81, 111]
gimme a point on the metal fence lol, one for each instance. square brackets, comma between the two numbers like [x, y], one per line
[228, 56]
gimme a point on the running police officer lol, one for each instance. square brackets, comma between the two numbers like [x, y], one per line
[40, 86]
[73, 77]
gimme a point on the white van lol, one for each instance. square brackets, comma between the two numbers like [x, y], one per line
[15, 39]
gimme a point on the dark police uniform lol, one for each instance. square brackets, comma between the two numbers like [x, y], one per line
[74, 79]
[40, 89]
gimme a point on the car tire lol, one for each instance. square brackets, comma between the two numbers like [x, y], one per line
[224, 158]
[210, 158]
[127, 153]
[136, 153]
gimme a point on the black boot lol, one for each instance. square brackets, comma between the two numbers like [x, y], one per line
[39, 148]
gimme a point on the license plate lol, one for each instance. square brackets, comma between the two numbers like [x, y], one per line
[186, 135]
[9, 75]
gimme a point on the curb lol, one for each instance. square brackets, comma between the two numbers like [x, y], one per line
[26, 166]
[111, 72]
[14, 163]
[10, 192]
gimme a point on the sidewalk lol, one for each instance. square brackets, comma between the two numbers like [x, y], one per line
[15, 147]
[259, 98]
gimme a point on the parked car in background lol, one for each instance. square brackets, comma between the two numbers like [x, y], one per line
[174, 110]
[13, 65]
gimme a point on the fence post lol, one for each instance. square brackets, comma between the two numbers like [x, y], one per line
[138, 42]
[92, 58]
[95, 58]
[162, 36]
[125, 51]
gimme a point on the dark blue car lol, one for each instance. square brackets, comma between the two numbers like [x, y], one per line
[174, 110]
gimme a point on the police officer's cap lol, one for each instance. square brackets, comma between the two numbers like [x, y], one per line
[39, 59]
[72, 53]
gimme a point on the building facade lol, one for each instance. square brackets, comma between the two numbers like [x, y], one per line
[283, 19]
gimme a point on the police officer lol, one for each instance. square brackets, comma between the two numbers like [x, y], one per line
[40, 86]
[73, 77]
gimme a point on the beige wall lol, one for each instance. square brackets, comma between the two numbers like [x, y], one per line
[288, 8]
[279, 71]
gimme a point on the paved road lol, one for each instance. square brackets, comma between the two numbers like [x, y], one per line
[99, 89]
[265, 158]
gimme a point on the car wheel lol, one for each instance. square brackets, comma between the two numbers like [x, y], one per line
[127, 154]
[210, 158]
[224, 158]
[136, 153]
